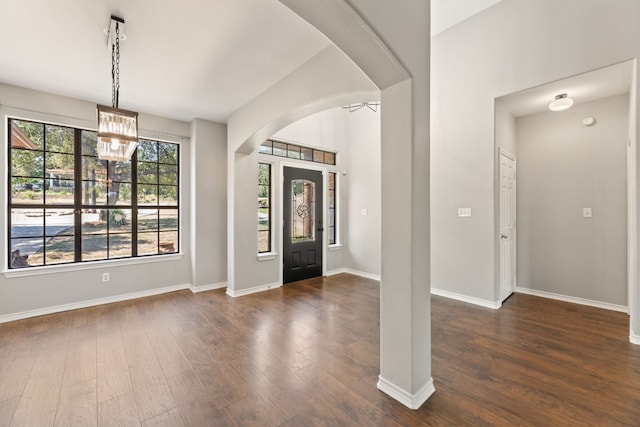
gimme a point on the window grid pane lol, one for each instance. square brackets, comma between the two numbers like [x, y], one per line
[332, 208]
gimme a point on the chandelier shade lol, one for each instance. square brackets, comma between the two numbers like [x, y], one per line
[117, 128]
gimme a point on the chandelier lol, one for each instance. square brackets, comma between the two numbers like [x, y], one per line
[117, 128]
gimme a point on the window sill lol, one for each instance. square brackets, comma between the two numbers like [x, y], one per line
[37, 271]
[335, 247]
[267, 256]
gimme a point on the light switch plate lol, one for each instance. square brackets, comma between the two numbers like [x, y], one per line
[464, 212]
[586, 212]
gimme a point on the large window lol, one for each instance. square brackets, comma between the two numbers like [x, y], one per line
[66, 205]
[264, 207]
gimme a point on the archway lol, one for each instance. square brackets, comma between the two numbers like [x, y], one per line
[390, 44]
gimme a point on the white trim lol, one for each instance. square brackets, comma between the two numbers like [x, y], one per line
[354, 272]
[242, 292]
[81, 266]
[211, 287]
[632, 208]
[411, 401]
[267, 256]
[336, 271]
[90, 303]
[464, 298]
[574, 300]
[335, 247]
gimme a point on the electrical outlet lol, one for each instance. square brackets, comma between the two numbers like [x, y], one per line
[105, 277]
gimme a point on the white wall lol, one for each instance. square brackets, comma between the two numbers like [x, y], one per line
[20, 295]
[356, 137]
[563, 167]
[514, 45]
[364, 192]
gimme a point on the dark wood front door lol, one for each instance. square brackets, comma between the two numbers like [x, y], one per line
[303, 229]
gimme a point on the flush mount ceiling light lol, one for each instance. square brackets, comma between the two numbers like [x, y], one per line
[373, 106]
[117, 128]
[562, 102]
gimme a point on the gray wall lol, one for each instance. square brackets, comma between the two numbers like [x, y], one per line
[364, 190]
[208, 203]
[514, 45]
[563, 167]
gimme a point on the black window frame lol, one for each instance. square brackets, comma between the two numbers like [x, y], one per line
[332, 194]
[269, 207]
[80, 206]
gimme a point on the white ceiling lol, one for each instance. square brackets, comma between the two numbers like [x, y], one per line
[597, 84]
[200, 59]
[447, 13]
[182, 59]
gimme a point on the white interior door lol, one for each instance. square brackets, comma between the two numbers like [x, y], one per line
[507, 225]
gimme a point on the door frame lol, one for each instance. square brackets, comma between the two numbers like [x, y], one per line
[312, 167]
[506, 153]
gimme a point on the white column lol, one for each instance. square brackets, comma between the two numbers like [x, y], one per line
[390, 42]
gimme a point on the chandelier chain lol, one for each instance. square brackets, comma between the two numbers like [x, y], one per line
[115, 69]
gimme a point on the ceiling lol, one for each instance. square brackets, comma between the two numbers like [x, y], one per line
[182, 59]
[447, 13]
[199, 59]
[597, 84]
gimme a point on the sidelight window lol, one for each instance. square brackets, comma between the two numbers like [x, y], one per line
[264, 207]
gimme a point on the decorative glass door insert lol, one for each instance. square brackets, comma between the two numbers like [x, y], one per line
[303, 196]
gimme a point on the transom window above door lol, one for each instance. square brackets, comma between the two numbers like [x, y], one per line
[298, 152]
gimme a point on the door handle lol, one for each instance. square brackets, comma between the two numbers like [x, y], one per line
[320, 229]
[504, 236]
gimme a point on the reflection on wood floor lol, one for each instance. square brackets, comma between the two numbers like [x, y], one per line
[307, 355]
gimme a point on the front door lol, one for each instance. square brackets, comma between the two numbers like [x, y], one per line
[507, 225]
[303, 230]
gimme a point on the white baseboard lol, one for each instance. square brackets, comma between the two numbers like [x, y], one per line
[354, 272]
[90, 303]
[211, 287]
[633, 338]
[575, 300]
[411, 401]
[242, 292]
[464, 298]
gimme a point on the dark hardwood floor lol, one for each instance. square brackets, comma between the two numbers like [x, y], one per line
[307, 355]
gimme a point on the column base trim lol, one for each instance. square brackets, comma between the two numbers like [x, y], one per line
[411, 401]
[211, 287]
[242, 292]
[354, 272]
[634, 339]
[464, 298]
